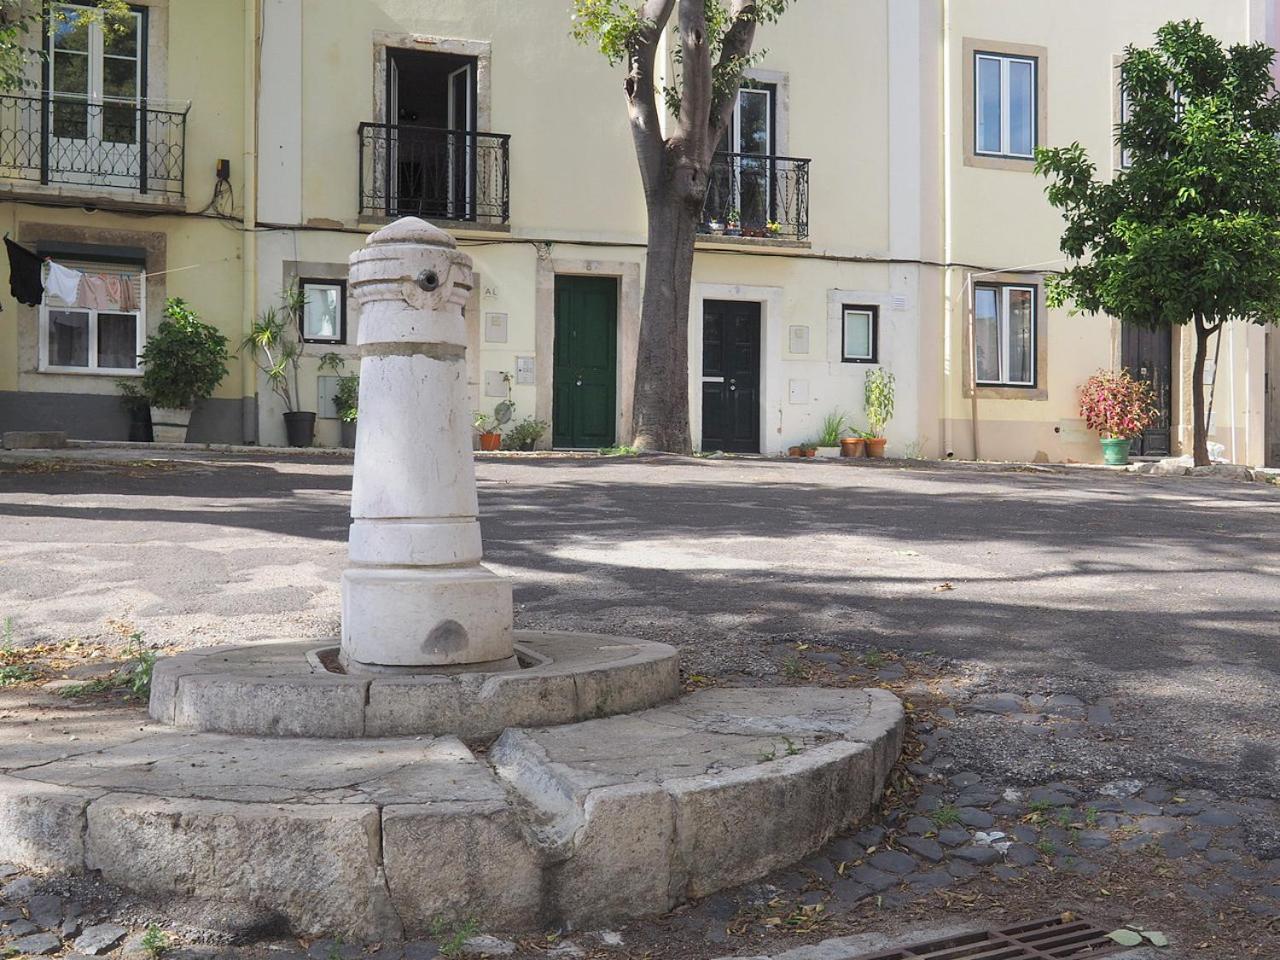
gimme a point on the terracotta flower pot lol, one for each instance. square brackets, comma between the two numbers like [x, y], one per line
[793, 451]
[853, 447]
[875, 446]
[491, 441]
[808, 452]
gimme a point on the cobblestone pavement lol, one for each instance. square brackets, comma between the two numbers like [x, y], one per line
[1092, 685]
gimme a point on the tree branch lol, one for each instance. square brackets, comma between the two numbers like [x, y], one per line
[696, 86]
[641, 89]
[738, 40]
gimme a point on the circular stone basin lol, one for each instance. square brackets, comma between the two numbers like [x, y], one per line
[286, 690]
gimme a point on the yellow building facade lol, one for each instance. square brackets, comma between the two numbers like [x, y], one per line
[870, 209]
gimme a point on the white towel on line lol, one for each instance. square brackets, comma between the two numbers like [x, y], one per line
[63, 282]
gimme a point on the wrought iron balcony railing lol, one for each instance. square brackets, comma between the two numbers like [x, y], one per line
[437, 174]
[756, 195]
[71, 140]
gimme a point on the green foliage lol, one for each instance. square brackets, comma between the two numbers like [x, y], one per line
[617, 27]
[17, 673]
[525, 434]
[275, 341]
[877, 399]
[1191, 231]
[622, 451]
[184, 360]
[833, 428]
[132, 396]
[347, 397]
[155, 942]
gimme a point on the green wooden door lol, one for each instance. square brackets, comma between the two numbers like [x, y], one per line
[586, 353]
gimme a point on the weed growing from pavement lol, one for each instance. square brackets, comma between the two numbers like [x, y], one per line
[133, 677]
[1091, 818]
[450, 939]
[794, 669]
[155, 942]
[873, 659]
[1045, 847]
[17, 673]
[946, 815]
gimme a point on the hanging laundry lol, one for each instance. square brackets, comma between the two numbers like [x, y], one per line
[93, 293]
[129, 295]
[24, 274]
[63, 282]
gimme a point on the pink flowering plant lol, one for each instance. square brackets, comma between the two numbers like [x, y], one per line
[1116, 405]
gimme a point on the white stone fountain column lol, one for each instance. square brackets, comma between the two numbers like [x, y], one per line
[415, 597]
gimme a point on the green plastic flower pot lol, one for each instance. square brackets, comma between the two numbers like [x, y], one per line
[1115, 451]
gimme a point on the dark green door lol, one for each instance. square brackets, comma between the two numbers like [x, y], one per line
[586, 353]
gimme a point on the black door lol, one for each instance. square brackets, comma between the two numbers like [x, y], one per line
[731, 376]
[1148, 355]
[584, 384]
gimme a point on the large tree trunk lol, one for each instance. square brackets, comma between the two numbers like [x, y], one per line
[660, 414]
[1200, 445]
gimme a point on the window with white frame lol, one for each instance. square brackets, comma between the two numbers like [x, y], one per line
[103, 329]
[324, 313]
[860, 334]
[1004, 334]
[1005, 105]
[1125, 106]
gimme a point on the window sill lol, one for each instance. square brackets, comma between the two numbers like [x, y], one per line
[74, 195]
[451, 226]
[90, 372]
[985, 161]
[993, 392]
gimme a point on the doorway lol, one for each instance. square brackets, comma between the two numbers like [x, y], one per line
[584, 373]
[431, 130]
[1148, 355]
[731, 376]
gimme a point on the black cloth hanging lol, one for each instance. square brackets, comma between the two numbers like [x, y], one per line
[24, 274]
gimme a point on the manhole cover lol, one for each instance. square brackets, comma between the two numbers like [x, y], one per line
[1055, 938]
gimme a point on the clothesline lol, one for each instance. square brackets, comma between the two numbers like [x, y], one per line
[28, 281]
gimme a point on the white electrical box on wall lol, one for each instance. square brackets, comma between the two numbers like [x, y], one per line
[494, 385]
[326, 391]
[798, 339]
[798, 391]
[495, 328]
[524, 370]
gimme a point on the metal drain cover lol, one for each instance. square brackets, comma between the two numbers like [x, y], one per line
[1052, 939]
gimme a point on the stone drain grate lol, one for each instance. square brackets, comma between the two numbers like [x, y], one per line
[1052, 939]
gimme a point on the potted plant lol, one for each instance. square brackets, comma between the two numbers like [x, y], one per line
[734, 227]
[1119, 408]
[716, 226]
[183, 361]
[832, 427]
[854, 445]
[275, 342]
[793, 451]
[347, 400]
[138, 407]
[808, 449]
[487, 427]
[525, 434]
[774, 228]
[877, 399]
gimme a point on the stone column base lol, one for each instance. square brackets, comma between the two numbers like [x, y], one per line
[421, 619]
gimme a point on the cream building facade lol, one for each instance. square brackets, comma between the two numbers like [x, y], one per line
[872, 208]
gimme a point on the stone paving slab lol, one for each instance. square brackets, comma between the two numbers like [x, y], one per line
[377, 839]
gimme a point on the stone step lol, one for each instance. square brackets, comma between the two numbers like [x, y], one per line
[371, 839]
[285, 690]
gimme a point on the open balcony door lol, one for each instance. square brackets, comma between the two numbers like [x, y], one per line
[96, 135]
[462, 148]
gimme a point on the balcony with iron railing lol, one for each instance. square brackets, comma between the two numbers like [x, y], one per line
[757, 195]
[448, 175]
[93, 146]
